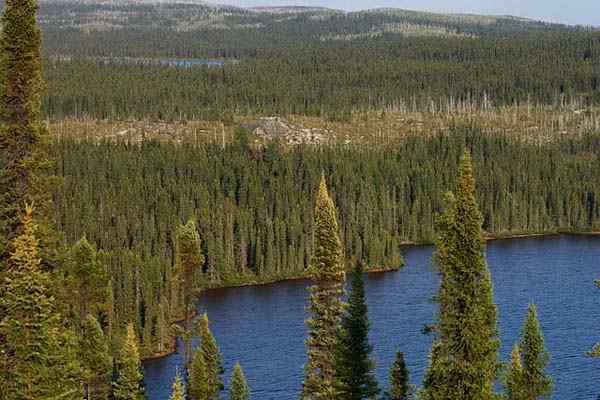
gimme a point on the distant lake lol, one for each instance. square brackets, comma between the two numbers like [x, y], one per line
[263, 327]
[169, 62]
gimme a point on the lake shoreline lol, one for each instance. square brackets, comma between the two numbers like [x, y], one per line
[404, 245]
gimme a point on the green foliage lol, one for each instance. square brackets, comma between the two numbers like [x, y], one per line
[23, 163]
[400, 388]
[88, 288]
[178, 392]
[513, 380]
[239, 389]
[96, 360]
[536, 383]
[212, 360]
[198, 382]
[354, 368]
[467, 361]
[326, 306]
[128, 384]
[189, 261]
[38, 355]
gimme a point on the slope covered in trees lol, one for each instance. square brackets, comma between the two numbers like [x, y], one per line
[544, 68]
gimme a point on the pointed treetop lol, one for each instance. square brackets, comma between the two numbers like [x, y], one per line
[327, 262]
[178, 388]
[239, 388]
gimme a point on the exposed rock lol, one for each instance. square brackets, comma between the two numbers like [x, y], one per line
[277, 128]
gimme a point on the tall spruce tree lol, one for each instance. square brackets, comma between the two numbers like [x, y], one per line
[326, 306]
[212, 359]
[128, 385]
[189, 261]
[239, 389]
[22, 160]
[399, 380]
[536, 383]
[178, 392]
[96, 360]
[198, 383]
[467, 362]
[38, 354]
[354, 368]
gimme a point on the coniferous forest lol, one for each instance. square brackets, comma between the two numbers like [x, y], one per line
[108, 239]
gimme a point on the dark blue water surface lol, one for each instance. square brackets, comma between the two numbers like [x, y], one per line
[263, 328]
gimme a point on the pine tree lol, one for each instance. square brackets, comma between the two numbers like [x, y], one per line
[536, 383]
[239, 389]
[212, 358]
[514, 376]
[89, 279]
[198, 384]
[22, 158]
[326, 306]
[354, 369]
[178, 388]
[38, 354]
[128, 385]
[189, 260]
[96, 360]
[467, 364]
[399, 381]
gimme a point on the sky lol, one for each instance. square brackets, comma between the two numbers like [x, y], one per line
[583, 12]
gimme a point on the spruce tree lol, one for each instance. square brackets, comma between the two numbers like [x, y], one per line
[189, 260]
[326, 306]
[536, 383]
[212, 359]
[22, 160]
[239, 389]
[96, 360]
[354, 368]
[513, 379]
[38, 354]
[399, 381]
[178, 392]
[467, 364]
[198, 384]
[89, 280]
[128, 385]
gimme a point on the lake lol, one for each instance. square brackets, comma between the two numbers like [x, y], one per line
[263, 327]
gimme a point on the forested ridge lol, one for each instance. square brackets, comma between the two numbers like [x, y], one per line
[415, 72]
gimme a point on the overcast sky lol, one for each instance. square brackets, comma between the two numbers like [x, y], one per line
[586, 12]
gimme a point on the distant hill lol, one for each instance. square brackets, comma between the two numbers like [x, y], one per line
[191, 28]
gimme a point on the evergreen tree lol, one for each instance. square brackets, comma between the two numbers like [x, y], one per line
[190, 260]
[514, 376]
[326, 306]
[399, 381]
[96, 360]
[128, 385]
[89, 280]
[354, 369]
[38, 354]
[178, 388]
[198, 385]
[467, 364]
[212, 359]
[536, 383]
[22, 158]
[239, 389]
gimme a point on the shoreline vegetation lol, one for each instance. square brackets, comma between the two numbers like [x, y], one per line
[404, 245]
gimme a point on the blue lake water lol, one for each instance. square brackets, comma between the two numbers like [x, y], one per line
[263, 328]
